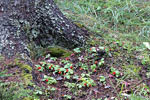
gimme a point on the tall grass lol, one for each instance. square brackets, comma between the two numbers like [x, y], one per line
[110, 16]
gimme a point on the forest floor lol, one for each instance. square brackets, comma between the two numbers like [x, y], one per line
[111, 70]
[115, 65]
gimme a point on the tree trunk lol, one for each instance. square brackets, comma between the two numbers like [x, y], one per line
[38, 21]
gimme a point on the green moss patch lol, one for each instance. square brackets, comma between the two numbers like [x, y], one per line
[54, 51]
[26, 70]
[57, 52]
[27, 78]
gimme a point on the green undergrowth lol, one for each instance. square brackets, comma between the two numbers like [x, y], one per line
[123, 25]
[123, 18]
[12, 90]
[82, 75]
[22, 69]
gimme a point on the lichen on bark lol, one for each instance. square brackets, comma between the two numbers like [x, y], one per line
[37, 21]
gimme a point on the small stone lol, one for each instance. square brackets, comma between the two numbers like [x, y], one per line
[59, 78]
[108, 86]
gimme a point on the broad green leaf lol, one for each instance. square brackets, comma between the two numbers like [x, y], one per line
[147, 45]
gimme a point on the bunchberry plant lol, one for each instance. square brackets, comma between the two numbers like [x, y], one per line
[77, 50]
[50, 66]
[70, 85]
[64, 61]
[76, 77]
[53, 58]
[39, 68]
[43, 63]
[67, 76]
[52, 89]
[67, 97]
[115, 72]
[83, 66]
[102, 79]
[86, 81]
[68, 65]
[38, 92]
[49, 80]
[56, 68]
[93, 67]
[93, 49]
[47, 56]
[101, 63]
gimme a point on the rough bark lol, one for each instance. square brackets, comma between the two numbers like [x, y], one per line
[41, 21]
